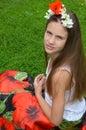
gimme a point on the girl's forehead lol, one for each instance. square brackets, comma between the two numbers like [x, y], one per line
[56, 25]
[57, 28]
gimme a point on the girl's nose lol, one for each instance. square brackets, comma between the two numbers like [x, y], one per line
[51, 40]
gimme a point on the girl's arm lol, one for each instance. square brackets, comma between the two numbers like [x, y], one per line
[61, 81]
[39, 84]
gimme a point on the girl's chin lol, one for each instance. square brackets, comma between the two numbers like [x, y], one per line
[49, 50]
[49, 53]
[52, 53]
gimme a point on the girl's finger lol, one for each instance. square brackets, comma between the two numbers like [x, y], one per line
[39, 77]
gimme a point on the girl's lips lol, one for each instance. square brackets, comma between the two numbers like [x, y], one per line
[49, 47]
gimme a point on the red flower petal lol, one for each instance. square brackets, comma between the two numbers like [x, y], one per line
[56, 6]
[6, 125]
[28, 114]
[2, 121]
[8, 83]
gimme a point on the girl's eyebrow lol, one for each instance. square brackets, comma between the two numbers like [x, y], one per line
[61, 37]
[48, 31]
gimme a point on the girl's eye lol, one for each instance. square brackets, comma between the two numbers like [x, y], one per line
[49, 33]
[59, 38]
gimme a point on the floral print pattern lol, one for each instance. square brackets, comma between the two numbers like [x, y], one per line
[19, 109]
[6, 125]
[28, 112]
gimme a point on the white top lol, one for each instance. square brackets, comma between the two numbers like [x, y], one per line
[73, 111]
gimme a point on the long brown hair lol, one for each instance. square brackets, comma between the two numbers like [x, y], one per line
[73, 55]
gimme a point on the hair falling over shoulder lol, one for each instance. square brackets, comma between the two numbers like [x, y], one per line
[73, 55]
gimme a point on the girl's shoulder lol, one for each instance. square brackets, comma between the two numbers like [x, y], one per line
[64, 71]
[65, 68]
[62, 78]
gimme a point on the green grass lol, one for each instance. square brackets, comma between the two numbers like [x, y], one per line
[22, 26]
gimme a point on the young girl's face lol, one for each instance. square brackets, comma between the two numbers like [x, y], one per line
[55, 38]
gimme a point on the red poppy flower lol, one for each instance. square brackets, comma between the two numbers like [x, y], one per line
[56, 6]
[6, 125]
[28, 114]
[8, 83]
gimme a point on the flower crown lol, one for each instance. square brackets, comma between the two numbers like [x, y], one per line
[58, 8]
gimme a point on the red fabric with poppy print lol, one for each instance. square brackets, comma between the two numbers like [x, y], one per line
[28, 114]
[8, 83]
[6, 125]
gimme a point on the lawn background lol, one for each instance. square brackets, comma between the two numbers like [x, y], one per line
[22, 27]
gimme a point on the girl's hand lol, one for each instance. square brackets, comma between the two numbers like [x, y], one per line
[39, 83]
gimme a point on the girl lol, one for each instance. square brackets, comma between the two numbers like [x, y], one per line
[62, 104]
[65, 83]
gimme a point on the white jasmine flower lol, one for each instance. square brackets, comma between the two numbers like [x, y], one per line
[48, 14]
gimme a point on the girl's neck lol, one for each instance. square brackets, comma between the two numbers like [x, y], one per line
[50, 64]
[53, 57]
